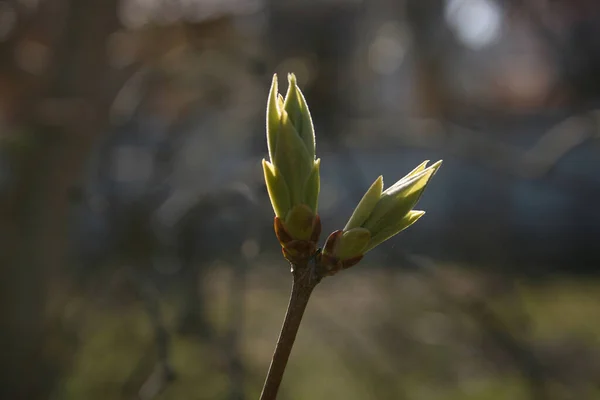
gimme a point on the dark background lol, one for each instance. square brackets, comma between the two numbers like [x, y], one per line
[137, 252]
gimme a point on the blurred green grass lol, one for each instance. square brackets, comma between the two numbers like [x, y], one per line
[367, 334]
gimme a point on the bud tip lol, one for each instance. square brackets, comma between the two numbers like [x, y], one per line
[292, 79]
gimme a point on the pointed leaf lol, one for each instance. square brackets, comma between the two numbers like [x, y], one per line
[273, 116]
[411, 174]
[353, 243]
[295, 105]
[277, 188]
[366, 205]
[312, 187]
[395, 203]
[412, 177]
[291, 103]
[393, 229]
[292, 159]
[408, 197]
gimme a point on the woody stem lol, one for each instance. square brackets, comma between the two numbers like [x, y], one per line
[305, 280]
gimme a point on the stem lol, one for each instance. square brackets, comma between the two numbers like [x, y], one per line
[305, 280]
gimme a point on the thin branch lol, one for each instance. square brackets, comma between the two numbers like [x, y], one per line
[306, 279]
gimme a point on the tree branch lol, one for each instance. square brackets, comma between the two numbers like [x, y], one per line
[306, 279]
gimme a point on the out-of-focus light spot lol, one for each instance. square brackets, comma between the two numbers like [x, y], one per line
[387, 51]
[300, 66]
[527, 78]
[250, 249]
[32, 57]
[121, 49]
[136, 13]
[477, 23]
[8, 20]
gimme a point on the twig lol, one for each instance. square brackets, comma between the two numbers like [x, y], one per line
[306, 278]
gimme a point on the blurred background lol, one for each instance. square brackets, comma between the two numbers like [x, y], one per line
[137, 254]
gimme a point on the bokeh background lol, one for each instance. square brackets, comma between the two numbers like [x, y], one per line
[137, 254]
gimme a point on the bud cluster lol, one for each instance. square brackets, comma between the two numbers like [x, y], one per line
[293, 182]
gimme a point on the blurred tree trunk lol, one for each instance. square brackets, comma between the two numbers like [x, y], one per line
[426, 21]
[63, 107]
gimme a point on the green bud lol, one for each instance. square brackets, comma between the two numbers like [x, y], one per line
[377, 217]
[366, 205]
[394, 228]
[296, 107]
[273, 116]
[299, 222]
[292, 172]
[415, 171]
[292, 159]
[353, 243]
[277, 188]
[312, 187]
[400, 198]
